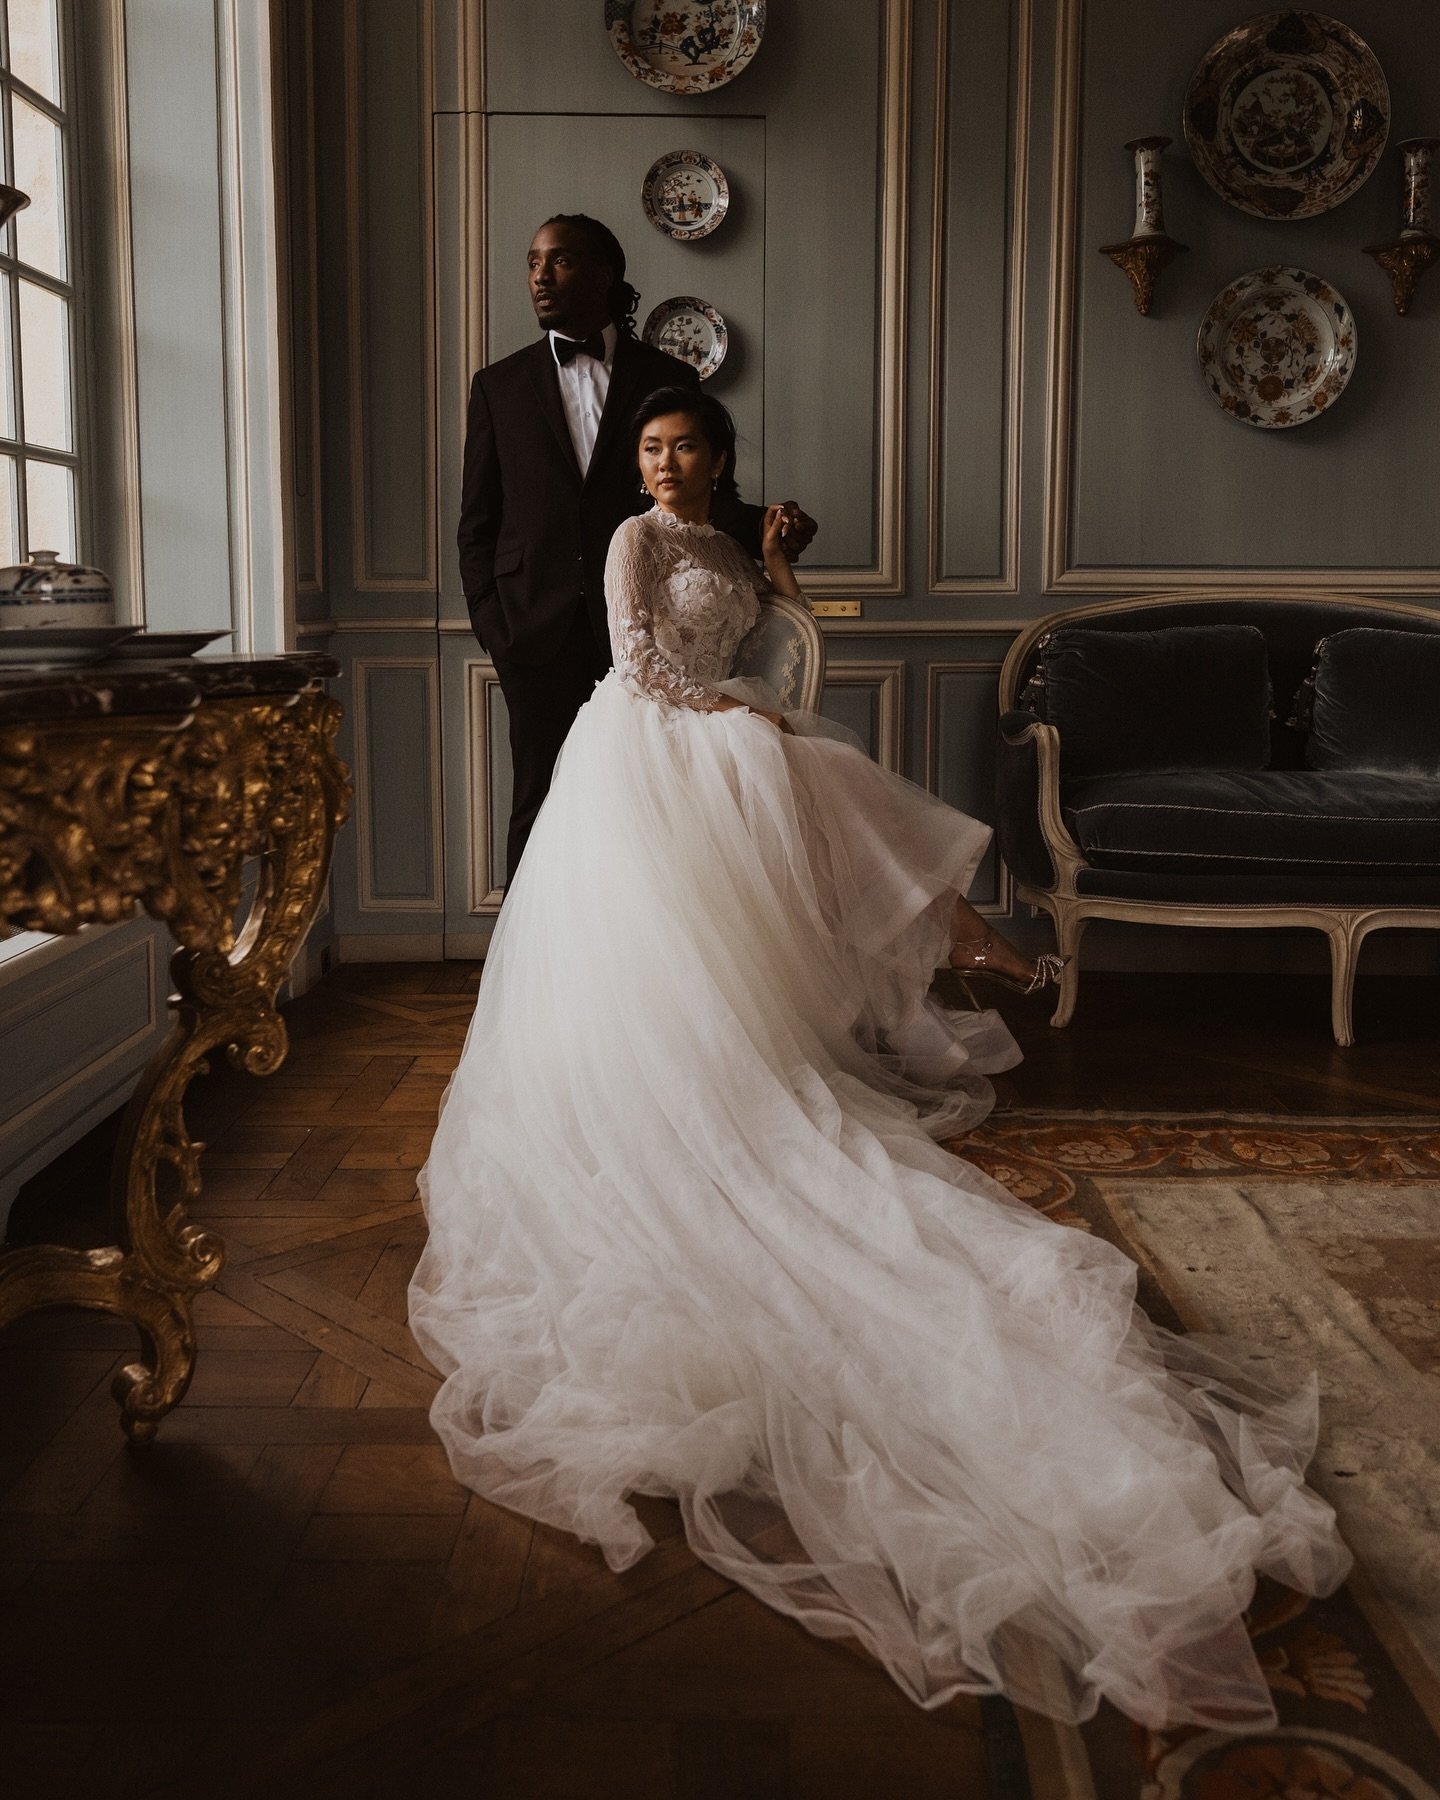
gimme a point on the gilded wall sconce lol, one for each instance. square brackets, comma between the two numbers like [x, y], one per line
[1406, 258]
[1148, 249]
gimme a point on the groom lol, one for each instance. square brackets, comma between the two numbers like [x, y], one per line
[549, 475]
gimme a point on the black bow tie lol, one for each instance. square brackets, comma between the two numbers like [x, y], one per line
[567, 349]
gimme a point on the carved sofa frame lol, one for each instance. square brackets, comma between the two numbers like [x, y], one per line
[1053, 872]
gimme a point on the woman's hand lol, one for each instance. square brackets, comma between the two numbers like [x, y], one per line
[777, 719]
[772, 546]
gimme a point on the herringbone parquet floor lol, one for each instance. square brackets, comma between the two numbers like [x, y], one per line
[288, 1594]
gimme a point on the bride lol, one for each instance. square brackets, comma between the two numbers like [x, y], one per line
[691, 1233]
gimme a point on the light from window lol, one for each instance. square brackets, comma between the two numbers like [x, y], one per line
[39, 465]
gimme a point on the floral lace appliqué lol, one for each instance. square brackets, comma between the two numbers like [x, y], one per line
[679, 597]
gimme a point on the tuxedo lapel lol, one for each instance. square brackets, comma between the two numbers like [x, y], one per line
[625, 379]
[547, 391]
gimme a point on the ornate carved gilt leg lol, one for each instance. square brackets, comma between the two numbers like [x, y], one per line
[81, 843]
[260, 780]
[250, 778]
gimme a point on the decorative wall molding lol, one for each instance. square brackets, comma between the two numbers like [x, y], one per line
[486, 887]
[1058, 574]
[1007, 579]
[311, 582]
[363, 579]
[836, 629]
[114, 319]
[361, 669]
[889, 574]
[888, 678]
[251, 266]
[459, 55]
[934, 674]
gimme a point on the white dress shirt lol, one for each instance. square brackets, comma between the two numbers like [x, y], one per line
[584, 383]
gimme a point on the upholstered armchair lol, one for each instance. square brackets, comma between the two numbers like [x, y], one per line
[1217, 759]
[785, 649]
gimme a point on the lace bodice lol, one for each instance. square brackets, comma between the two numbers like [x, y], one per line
[679, 598]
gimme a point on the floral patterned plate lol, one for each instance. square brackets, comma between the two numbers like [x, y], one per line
[685, 195]
[1287, 115]
[685, 46]
[1277, 347]
[690, 329]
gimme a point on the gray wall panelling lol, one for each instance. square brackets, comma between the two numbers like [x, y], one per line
[1162, 478]
[1045, 441]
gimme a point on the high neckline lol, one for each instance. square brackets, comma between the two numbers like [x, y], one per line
[676, 523]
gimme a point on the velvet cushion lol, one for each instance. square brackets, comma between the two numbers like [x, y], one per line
[1277, 821]
[1375, 702]
[1188, 697]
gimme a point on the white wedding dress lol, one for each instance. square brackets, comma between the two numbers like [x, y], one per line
[691, 1234]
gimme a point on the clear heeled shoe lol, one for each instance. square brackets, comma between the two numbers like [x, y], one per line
[1048, 967]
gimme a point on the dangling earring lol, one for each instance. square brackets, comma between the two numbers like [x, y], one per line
[644, 491]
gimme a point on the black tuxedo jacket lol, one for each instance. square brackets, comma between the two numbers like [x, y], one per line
[533, 533]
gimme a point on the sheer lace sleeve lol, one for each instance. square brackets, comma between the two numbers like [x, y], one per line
[634, 571]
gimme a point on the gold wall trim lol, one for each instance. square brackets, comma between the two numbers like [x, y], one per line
[1008, 579]
[987, 665]
[367, 900]
[888, 576]
[486, 888]
[1058, 574]
[362, 579]
[889, 678]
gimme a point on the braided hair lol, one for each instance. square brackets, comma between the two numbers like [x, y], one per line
[605, 246]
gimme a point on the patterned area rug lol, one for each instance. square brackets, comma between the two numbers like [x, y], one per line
[1322, 1237]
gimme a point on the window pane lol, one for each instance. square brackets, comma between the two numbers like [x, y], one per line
[9, 542]
[50, 504]
[45, 366]
[7, 360]
[39, 227]
[35, 46]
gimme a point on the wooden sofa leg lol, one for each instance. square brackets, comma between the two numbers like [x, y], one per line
[1346, 933]
[1069, 929]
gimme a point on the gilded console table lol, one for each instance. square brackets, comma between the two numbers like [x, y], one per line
[127, 785]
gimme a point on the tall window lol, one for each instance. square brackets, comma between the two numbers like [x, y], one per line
[39, 463]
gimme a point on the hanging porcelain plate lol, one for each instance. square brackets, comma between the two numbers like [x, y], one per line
[1277, 347]
[1287, 115]
[685, 195]
[690, 329]
[685, 46]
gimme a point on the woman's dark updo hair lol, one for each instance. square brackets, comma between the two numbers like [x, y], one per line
[714, 423]
[605, 247]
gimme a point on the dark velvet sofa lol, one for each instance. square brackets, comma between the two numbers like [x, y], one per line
[1233, 761]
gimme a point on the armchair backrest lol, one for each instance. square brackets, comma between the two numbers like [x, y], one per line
[784, 648]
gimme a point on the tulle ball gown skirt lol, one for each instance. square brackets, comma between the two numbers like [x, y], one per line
[691, 1235]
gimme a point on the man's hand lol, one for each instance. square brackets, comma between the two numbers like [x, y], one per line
[797, 529]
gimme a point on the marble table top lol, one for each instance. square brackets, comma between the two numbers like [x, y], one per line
[127, 688]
